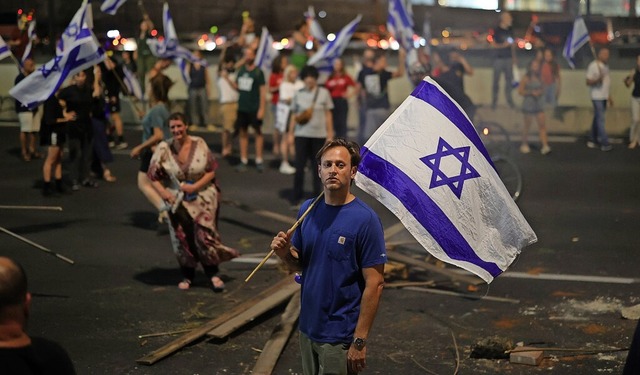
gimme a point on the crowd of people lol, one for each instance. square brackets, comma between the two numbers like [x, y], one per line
[177, 172]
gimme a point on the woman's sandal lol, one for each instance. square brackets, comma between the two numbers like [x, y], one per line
[217, 285]
[107, 176]
[184, 284]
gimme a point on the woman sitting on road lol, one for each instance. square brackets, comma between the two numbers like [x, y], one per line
[183, 173]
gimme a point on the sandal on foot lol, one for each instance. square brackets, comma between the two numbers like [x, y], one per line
[107, 176]
[217, 285]
[184, 284]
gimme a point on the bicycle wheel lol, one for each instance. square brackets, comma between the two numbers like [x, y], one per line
[495, 139]
[510, 175]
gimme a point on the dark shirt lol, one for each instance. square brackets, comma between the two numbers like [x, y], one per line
[19, 106]
[500, 36]
[198, 79]
[636, 84]
[42, 357]
[78, 99]
[112, 85]
[375, 86]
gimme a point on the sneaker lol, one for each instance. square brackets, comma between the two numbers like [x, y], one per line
[122, 145]
[286, 168]
[89, 184]
[545, 150]
[242, 167]
[591, 144]
[524, 148]
[260, 167]
[606, 148]
[112, 144]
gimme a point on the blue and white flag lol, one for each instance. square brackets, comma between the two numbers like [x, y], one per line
[578, 37]
[400, 23]
[31, 33]
[111, 6]
[170, 48]
[132, 83]
[314, 26]
[323, 58]
[266, 53]
[80, 50]
[428, 166]
[5, 51]
[80, 26]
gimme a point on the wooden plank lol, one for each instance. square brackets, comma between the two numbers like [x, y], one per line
[267, 303]
[430, 267]
[273, 348]
[462, 295]
[201, 331]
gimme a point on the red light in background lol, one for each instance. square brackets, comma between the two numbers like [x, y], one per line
[19, 11]
[154, 32]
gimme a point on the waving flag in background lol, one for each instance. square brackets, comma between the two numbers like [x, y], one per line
[400, 23]
[266, 53]
[82, 20]
[4, 49]
[81, 50]
[170, 48]
[578, 37]
[428, 166]
[111, 6]
[314, 26]
[323, 58]
[132, 83]
[31, 33]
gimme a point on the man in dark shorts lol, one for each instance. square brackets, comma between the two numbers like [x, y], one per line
[112, 75]
[252, 91]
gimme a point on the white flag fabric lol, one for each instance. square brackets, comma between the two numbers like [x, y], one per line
[266, 53]
[314, 26]
[81, 50]
[111, 6]
[323, 58]
[132, 83]
[578, 37]
[428, 166]
[170, 48]
[400, 23]
[82, 20]
[31, 33]
[5, 51]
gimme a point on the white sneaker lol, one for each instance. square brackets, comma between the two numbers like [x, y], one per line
[286, 168]
[545, 150]
[524, 148]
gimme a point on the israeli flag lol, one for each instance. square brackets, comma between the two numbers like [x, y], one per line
[4, 49]
[132, 83]
[31, 33]
[578, 37]
[314, 26]
[46, 80]
[80, 26]
[266, 53]
[111, 6]
[400, 23]
[428, 166]
[323, 58]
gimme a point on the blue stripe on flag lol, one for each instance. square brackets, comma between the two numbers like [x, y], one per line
[423, 209]
[431, 95]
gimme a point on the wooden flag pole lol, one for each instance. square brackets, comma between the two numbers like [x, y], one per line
[293, 228]
[59, 256]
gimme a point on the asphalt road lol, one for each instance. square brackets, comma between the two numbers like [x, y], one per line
[582, 203]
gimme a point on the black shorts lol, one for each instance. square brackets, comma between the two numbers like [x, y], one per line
[246, 119]
[145, 160]
[114, 104]
[53, 135]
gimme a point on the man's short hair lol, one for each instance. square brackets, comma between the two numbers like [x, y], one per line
[13, 284]
[352, 147]
[309, 71]
[178, 116]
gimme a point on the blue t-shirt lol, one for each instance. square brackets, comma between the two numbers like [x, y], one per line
[335, 243]
[157, 117]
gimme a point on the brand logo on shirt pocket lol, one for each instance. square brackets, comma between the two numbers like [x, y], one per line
[341, 240]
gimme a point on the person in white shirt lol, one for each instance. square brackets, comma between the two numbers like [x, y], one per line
[289, 86]
[228, 102]
[599, 83]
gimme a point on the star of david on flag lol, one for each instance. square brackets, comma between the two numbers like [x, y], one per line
[428, 166]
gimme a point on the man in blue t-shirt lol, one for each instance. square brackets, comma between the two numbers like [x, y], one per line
[340, 249]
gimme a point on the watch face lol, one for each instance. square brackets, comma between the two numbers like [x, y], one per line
[359, 343]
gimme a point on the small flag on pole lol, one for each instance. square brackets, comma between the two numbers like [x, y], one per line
[4, 49]
[31, 33]
[266, 53]
[316, 30]
[111, 6]
[132, 83]
[578, 37]
[323, 58]
[428, 166]
[400, 23]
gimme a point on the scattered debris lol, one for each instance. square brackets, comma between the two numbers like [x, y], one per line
[631, 312]
[526, 355]
[492, 348]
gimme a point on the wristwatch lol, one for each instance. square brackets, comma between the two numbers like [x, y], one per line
[359, 343]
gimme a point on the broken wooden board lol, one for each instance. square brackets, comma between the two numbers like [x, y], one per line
[201, 331]
[273, 348]
[267, 303]
[430, 267]
[526, 356]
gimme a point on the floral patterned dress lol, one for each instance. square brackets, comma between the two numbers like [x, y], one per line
[200, 227]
